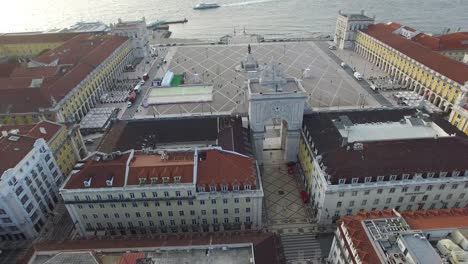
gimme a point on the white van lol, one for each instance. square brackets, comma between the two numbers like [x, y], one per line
[358, 76]
[129, 104]
[343, 65]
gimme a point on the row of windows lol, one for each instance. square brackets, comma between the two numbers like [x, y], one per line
[157, 204]
[405, 176]
[161, 214]
[164, 223]
[406, 189]
[401, 199]
[409, 207]
[132, 195]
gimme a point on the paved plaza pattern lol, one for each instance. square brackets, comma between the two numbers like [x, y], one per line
[327, 84]
[285, 212]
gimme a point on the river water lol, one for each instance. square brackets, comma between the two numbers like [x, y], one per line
[267, 17]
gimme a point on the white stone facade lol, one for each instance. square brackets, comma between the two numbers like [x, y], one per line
[347, 26]
[28, 193]
[331, 201]
[163, 208]
[137, 32]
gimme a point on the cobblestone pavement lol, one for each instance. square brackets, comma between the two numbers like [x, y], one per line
[287, 215]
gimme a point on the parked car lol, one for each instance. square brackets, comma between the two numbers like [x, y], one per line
[332, 47]
[343, 65]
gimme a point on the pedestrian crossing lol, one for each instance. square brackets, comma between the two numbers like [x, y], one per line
[300, 247]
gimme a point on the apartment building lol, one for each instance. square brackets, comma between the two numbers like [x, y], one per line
[62, 84]
[429, 237]
[30, 180]
[160, 191]
[64, 140]
[368, 160]
[403, 53]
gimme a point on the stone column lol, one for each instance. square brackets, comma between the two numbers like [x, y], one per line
[292, 145]
[257, 138]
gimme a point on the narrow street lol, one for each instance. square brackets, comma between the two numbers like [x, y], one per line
[287, 215]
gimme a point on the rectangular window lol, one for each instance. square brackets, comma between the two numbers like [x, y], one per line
[338, 204]
[392, 190]
[366, 192]
[417, 188]
[341, 194]
[166, 194]
[380, 178]
[413, 198]
[215, 211]
[364, 202]
[442, 186]
[226, 211]
[351, 203]
[449, 196]
[376, 201]
[213, 201]
[181, 213]
[389, 200]
[177, 193]
[354, 180]
[379, 191]
[236, 200]
[404, 189]
[341, 181]
[368, 179]
[155, 194]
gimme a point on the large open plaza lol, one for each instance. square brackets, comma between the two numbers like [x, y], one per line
[326, 83]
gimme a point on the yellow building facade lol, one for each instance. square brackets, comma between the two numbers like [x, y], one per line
[68, 148]
[447, 94]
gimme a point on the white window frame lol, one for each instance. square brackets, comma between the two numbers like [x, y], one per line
[368, 179]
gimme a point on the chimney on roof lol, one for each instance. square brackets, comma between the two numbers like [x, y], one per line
[4, 133]
[362, 11]
[109, 181]
[14, 131]
[42, 130]
[87, 182]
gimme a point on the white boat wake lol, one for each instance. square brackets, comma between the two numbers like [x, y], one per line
[249, 2]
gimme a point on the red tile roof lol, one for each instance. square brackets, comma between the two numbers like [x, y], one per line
[35, 72]
[437, 219]
[35, 130]
[148, 166]
[6, 69]
[453, 41]
[220, 167]
[448, 67]
[34, 37]
[100, 171]
[387, 157]
[360, 241]
[265, 245]
[77, 58]
[12, 152]
[131, 258]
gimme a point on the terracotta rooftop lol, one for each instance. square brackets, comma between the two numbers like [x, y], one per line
[265, 245]
[13, 151]
[453, 41]
[384, 158]
[151, 166]
[448, 67]
[417, 220]
[34, 37]
[358, 235]
[26, 90]
[437, 219]
[99, 172]
[43, 129]
[217, 167]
